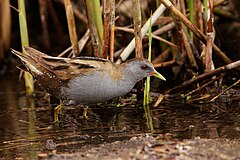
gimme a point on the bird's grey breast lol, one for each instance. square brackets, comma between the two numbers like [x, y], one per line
[96, 87]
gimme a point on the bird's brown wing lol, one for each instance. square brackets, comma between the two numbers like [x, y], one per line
[65, 68]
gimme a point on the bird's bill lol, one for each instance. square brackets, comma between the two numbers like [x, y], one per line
[158, 75]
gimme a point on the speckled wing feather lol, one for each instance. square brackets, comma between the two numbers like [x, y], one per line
[64, 68]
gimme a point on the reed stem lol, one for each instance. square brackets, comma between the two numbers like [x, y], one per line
[25, 42]
[95, 25]
[71, 27]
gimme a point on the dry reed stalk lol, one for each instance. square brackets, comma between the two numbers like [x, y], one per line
[168, 19]
[71, 27]
[225, 90]
[204, 76]
[163, 20]
[137, 21]
[195, 30]
[170, 63]
[198, 22]
[106, 27]
[165, 41]
[128, 50]
[162, 57]
[164, 28]
[81, 43]
[210, 36]
[153, 35]
[5, 26]
[198, 17]
[182, 7]
[112, 30]
[176, 37]
[203, 86]
[76, 12]
[186, 41]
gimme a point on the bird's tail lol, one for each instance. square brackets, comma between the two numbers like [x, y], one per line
[29, 61]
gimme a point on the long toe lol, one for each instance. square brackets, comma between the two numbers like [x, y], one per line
[58, 112]
[85, 110]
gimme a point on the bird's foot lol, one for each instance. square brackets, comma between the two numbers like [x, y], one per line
[85, 111]
[58, 113]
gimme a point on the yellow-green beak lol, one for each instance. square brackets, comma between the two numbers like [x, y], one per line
[158, 75]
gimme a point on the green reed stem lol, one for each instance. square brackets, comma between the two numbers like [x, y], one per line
[25, 42]
[191, 15]
[146, 99]
[147, 83]
[95, 25]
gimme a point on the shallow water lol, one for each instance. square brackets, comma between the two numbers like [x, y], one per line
[26, 127]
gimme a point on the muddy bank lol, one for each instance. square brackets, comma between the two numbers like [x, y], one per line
[149, 147]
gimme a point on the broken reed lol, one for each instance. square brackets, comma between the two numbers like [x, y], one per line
[108, 29]
[25, 42]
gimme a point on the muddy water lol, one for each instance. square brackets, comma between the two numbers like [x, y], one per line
[26, 127]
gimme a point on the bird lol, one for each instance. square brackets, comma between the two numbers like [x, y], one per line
[84, 80]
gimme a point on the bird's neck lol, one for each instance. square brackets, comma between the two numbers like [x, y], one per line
[129, 74]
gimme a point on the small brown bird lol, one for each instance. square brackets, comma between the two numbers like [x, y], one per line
[85, 80]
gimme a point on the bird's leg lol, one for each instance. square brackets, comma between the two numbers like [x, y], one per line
[58, 111]
[85, 109]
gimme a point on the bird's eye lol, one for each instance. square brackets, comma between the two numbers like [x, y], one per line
[144, 67]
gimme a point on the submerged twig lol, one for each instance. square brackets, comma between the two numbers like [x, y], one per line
[203, 86]
[214, 98]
